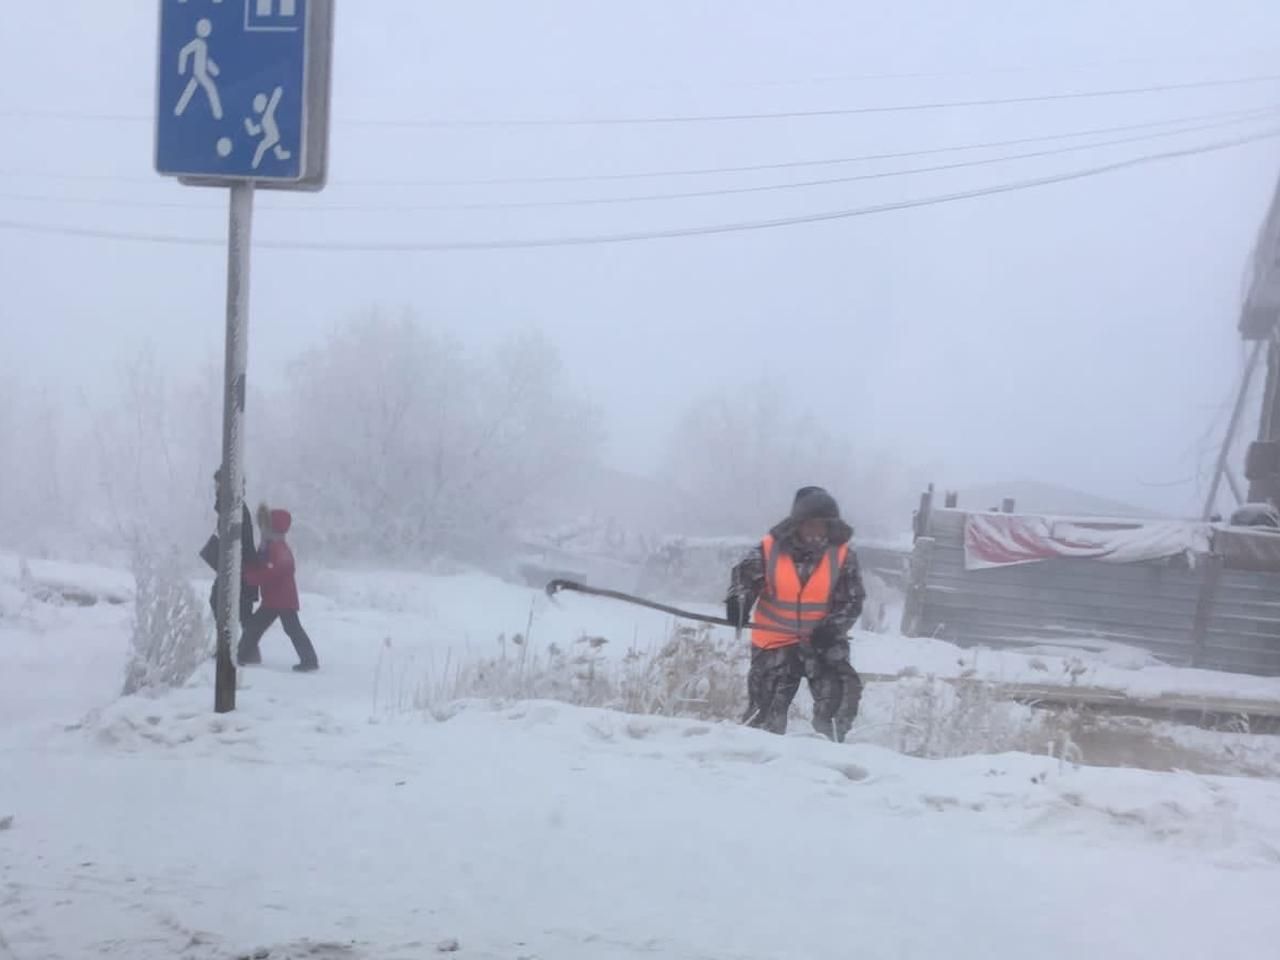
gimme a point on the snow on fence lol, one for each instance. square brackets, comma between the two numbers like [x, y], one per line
[1218, 610]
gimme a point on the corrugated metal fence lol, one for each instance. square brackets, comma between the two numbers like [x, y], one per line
[1207, 614]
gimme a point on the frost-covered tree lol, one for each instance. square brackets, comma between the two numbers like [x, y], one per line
[39, 496]
[388, 440]
[393, 440]
[531, 432]
[153, 442]
[743, 452]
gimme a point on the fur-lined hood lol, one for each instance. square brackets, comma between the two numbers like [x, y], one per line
[273, 523]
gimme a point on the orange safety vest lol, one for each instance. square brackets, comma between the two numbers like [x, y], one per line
[793, 608]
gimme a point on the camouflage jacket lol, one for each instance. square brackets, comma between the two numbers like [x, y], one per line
[847, 595]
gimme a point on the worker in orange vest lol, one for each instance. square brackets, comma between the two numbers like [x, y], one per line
[804, 582]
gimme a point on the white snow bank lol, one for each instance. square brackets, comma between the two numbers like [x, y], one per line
[94, 584]
[1117, 668]
[59, 658]
[466, 613]
[313, 823]
[411, 624]
[551, 831]
[475, 608]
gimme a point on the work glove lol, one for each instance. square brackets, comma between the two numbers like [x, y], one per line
[824, 635]
[733, 611]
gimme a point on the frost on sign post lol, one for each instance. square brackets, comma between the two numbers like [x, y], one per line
[242, 101]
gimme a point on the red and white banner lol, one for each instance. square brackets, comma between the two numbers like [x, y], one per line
[1002, 539]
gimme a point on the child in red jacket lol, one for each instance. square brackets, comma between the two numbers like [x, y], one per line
[274, 573]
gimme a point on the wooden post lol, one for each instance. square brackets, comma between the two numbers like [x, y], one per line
[917, 586]
[1213, 565]
[924, 515]
[1237, 490]
[1224, 451]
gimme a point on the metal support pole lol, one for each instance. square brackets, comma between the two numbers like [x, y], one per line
[1262, 480]
[1233, 482]
[1268, 422]
[1224, 452]
[231, 496]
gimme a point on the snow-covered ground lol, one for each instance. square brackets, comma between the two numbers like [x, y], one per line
[329, 818]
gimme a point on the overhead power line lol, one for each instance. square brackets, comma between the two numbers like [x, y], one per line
[1238, 115]
[413, 246]
[642, 198]
[829, 112]
[700, 118]
[821, 162]
[1234, 57]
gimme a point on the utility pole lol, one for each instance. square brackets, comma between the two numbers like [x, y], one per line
[1259, 323]
[1222, 468]
[1262, 465]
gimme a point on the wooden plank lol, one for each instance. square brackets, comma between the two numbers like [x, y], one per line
[1204, 607]
[1020, 633]
[1013, 639]
[1154, 615]
[1083, 619]
[1237, 659]
[1216, 617]
[1172, 594]
[1110, 698]
[951, 559]
[917, 580]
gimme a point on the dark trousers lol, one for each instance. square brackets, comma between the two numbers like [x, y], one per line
[836, 689]
[774, 679]
[257, 625]
[247, 600]
[772, 682]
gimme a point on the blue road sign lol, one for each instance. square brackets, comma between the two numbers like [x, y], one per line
[242, 91]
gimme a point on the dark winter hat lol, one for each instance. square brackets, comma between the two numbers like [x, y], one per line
[805, 491]
[814, 503]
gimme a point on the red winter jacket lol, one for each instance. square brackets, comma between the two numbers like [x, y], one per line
[274, 571]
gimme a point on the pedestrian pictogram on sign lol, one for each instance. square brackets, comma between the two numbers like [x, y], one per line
[203, 70]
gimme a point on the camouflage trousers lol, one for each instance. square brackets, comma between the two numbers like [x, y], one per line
[774, 679]
[836, 689]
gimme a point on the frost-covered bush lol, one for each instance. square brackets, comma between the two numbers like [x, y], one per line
[933, 717]
[702, 673]
[170, 633]
[696, 673]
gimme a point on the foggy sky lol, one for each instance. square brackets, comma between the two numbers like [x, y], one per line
[1083, 333]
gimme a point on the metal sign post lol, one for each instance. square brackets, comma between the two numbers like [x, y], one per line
[227, 599]
[242, 101]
